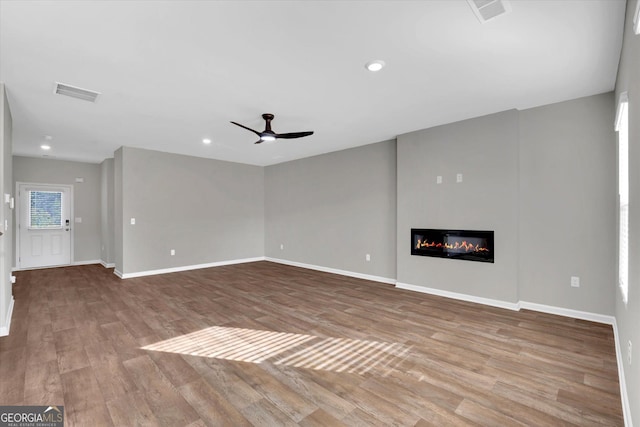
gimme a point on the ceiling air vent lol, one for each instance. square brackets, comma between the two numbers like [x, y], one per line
[486, 10]
[76, 92]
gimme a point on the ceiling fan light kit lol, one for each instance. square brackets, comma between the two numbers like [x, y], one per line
[269, 135]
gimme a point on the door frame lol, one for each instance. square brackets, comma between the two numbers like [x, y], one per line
[18, 227]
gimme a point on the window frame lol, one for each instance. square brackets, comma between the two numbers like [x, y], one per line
[622, 129]
[636, 19]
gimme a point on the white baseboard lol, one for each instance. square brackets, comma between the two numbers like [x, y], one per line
[108, 264]
[4, 330]
[626, 409]
[515, 306]
[567, 312]
[333, 270]
[185, 268]
[462, 297]
[87, 262]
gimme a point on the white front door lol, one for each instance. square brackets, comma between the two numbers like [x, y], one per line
[44, 225]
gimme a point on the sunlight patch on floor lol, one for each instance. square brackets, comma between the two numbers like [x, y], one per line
[282, 348]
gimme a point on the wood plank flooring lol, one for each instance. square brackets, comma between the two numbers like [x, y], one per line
[269, 345]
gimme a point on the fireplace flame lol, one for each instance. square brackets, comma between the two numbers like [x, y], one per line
[459, 246]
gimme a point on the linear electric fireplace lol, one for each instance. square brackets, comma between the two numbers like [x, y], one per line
[470, 245]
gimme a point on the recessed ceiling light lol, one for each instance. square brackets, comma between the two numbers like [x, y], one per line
[45, 147]
[374, 66]
[206, 141]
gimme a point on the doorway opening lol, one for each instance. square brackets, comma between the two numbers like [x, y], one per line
[44, 232]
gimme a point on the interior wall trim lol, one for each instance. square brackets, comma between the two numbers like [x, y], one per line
[462, 297]
[333, 270]
[87, 262]
[624, 396]
[107, 264]
[185, 268]
[567, 312]
[4, 330]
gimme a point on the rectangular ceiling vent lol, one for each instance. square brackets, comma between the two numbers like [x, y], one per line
[76, 92]
[486, 10]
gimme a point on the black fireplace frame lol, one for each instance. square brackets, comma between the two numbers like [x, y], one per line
[441, 235]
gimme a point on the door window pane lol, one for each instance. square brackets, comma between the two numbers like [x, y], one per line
[45, 209]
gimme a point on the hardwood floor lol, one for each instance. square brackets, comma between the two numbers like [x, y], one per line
[267, 344]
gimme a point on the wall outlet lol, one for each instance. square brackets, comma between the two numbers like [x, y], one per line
[575, 282]
[173, 252]
[367, 257]
[133, 221]
[629, 348]
[282, 246]
[459, 177]
[439, 179]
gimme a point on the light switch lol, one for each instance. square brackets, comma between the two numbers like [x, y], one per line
[459, 177]
[79, 179]
[439, 179]
[78, 219]
[133, 221]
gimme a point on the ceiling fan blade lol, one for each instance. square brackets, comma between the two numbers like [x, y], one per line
[258, 141]
[293, 135]
[249, 129]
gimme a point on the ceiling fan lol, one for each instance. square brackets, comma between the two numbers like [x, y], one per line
[268, 135]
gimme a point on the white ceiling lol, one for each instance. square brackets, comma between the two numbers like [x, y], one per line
[174, 72]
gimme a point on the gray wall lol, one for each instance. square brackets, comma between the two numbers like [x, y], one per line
[6, 183]
[207, 210]
[332, 210]
[86, 197]
[485, 151]
[568, 204]
[543, 179]
[107, 234]
[628, 316]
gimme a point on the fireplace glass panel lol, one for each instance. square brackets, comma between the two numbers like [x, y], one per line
[470, 245]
